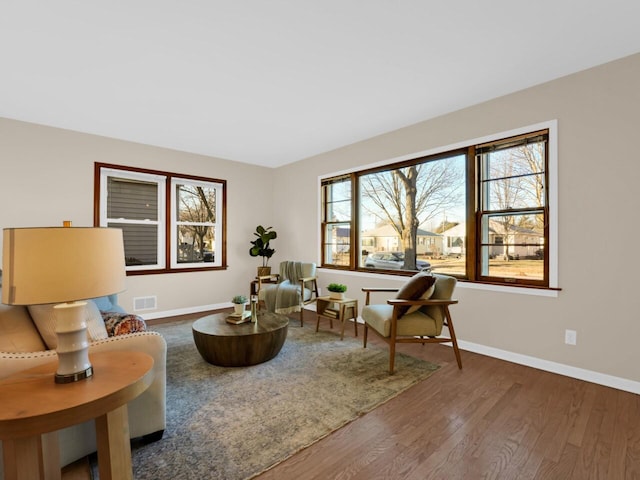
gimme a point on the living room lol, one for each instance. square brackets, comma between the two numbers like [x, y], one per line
[47, 176]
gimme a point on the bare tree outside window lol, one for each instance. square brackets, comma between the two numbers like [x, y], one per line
[408, 197]
[513, 201]
[478, 212]
[196, 216]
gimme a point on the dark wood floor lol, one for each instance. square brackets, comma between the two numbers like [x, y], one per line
[493, 419]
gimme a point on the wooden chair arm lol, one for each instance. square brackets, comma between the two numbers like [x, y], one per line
[274, 276]
[374, 289]
[267, 279]
[313, 288]
[369, 290]
[434, 302]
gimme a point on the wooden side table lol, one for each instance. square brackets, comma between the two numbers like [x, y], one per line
[256, 284]
[33, 407]
[341, 310]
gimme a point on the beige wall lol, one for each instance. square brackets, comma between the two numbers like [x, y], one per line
[46, 176]
[598, 123]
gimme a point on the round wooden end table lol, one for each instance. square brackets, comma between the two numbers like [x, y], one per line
[227, 345]
[33, 407]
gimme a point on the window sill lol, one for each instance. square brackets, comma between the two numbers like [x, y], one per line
[464, 284]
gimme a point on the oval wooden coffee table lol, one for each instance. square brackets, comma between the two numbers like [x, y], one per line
[228, 345]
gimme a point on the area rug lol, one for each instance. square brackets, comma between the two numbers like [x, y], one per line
[234, 423]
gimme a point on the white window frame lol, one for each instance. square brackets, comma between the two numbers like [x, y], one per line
[160, 180]
[217, 225]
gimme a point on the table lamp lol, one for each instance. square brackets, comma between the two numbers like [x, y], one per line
[63, 265]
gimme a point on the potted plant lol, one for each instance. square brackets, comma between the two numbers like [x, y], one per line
[336, 291]
[239, 301]
[261, 248]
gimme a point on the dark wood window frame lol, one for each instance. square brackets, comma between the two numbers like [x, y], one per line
[165, 223]
[474, 211]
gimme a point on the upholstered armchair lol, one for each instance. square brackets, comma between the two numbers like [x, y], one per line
[296, 287]
[416, 315]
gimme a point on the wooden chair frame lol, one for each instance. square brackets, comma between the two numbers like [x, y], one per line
[393, 338]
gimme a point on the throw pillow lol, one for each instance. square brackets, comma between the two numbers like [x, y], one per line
[17, 331]
[45, 319]
[96, 329]
[103, 303]
[413, 289]
[425, 296]
[121, 323]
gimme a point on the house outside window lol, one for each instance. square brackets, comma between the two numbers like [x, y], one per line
[479, 212]
[170, 222]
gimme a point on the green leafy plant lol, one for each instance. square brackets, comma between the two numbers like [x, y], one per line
[261, 247]
[337, 287]
[239, 299]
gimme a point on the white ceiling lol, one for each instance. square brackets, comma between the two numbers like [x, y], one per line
[269, 82]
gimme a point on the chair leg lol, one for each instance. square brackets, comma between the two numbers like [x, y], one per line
[392, 340]
[452, 334]
[392, 355]
[302, 316]
[364, 335]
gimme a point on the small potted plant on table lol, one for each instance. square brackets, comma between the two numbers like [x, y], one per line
[239, 301]
[336, 291]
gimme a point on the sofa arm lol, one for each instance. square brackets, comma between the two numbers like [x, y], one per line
[16, 362]
[147, 413]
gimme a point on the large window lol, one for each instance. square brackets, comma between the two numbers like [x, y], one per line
[169, 222]
[479, 212]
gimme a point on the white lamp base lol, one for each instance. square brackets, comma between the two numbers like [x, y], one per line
[73, 346]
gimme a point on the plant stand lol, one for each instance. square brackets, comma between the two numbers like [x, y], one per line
[342, 310]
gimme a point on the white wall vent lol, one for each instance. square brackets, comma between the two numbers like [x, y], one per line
[145, 303]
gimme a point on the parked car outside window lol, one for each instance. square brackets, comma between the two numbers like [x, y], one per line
[392, 261]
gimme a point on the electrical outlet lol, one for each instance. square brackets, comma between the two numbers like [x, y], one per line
[570, 337]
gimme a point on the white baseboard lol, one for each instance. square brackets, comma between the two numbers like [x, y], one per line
[185, 311]
[198, 309]
[554, 367]
[540, 364]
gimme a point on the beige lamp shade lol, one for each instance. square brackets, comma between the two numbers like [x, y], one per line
[61, 264]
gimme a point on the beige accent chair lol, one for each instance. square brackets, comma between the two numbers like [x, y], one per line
[296, 287]
[416, 317]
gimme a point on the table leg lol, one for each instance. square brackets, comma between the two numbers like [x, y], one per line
[343, 320]
[355, 317]
[51, 456]
[23, 460]
[114, 448]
